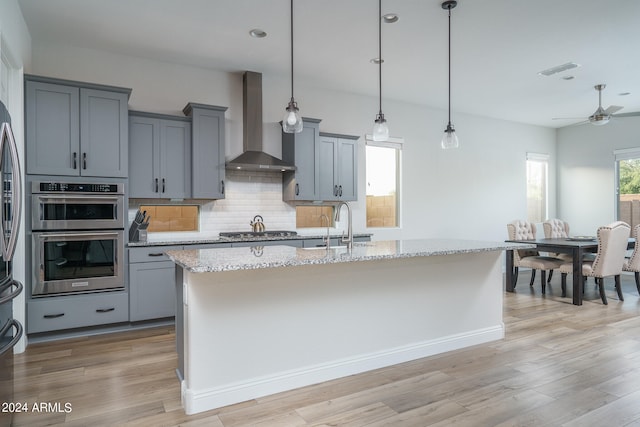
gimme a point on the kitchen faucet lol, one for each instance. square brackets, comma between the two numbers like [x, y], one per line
[349, 239]
[328, 241]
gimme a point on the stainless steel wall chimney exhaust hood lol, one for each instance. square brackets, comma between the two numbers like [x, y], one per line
[253, 158]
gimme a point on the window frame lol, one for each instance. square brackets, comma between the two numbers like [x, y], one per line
[538, 158]
[396, 144]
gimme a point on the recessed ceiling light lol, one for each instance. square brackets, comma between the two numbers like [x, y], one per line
[376, 61]
[558, 69]
[390, 18]
[568, 77]
[624, 93]
[258, 33]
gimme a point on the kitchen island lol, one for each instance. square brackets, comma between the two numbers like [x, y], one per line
[255, 321]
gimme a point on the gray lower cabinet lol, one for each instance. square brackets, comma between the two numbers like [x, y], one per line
[300, 149]
[160, 149]
[76, 311]
[208, 150]
[338, 171]
[74, 130]
[151, 283]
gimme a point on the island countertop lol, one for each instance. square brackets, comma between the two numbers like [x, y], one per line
[258, 257]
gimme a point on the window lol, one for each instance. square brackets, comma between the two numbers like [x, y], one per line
[537, 192]
[628, 185]
[383, 182]
[172, 217]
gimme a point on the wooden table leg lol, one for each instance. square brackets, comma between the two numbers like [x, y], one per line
[509, 272]
[577, 254]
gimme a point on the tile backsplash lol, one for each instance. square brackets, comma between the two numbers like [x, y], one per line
[247, 194]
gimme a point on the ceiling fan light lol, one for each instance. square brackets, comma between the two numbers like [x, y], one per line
[599, 120]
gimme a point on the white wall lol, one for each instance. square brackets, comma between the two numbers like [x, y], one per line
[586, 171]
[471, 192]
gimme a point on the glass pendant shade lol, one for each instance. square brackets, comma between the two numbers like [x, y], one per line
[292, 122]
[449, 139]
[380, 129]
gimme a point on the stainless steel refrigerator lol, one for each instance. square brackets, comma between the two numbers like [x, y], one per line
[10, 204]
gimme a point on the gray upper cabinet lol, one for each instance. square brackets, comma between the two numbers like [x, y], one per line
[208, 150]
[300, 149]
[76, 129]
[338, 170]
[160, 149]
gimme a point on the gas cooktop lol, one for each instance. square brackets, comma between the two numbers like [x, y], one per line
[257, 234]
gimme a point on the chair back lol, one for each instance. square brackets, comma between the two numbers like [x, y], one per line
[554, 228]
[521, 230]
[634, 261]
[612, 247]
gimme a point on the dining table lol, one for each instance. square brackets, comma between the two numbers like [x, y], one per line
[577, 247]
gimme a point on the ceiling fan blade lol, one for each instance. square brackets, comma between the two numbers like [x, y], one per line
[635, 113]
[567, 118]
[578, 124]
[612, 109]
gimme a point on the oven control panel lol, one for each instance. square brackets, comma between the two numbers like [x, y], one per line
[73, 187]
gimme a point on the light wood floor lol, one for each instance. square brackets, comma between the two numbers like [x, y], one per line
[559, 365]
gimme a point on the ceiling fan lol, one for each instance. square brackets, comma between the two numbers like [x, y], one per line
[600, 116]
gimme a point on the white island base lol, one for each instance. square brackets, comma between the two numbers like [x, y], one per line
[248, 333]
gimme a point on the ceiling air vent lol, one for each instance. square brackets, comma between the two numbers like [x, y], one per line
[558, 69]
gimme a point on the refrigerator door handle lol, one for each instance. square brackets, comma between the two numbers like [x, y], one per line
[9, 245]
[16, 337]
[13, 294]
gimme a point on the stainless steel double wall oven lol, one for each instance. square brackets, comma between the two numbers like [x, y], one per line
[78, 237]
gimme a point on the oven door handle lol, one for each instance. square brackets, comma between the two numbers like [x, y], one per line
[9, 242]
[16, 337]
[83, 235]
[13, 294]
[81, 199]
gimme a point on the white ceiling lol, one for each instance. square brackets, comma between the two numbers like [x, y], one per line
[498, 47]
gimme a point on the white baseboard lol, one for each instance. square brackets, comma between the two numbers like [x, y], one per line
[195, 401]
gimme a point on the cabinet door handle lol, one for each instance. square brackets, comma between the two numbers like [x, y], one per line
[53, 316]
[75, 160]
[84, 160]
[156, 185]
[297, 189]
[222, 186]
[335, 190]
[105, 310]
[156, 254]
[163, 186]
[340, 191]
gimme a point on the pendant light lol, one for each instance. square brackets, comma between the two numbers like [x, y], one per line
[292, 122]
[380, 128]
[449, 140]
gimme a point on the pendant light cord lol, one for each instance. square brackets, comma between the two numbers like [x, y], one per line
[380, 55]
[449, 8]
[291, 16]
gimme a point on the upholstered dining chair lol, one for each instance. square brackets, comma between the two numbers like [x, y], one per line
[528, 258]
[633, 263]
[612, 247]
[556, 228]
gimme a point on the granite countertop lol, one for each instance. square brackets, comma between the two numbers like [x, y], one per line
[230, 259]
[217, 239]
